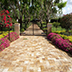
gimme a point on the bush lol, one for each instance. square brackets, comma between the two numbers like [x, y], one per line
[61, 33]
[56, 24]
[22, 30]
[4, 42]
[1, 36]
[5, 19]
[66, 37]
[12, 36]
[4, 33]
[66, 21]
[63, 44]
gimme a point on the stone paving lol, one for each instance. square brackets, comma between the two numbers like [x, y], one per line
[33, 30]
[34, 54]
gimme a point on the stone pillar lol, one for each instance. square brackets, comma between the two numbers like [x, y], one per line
[49, 28]
[17, 28]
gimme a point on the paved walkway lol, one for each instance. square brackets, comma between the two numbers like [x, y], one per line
[33, 30]
[34, 54]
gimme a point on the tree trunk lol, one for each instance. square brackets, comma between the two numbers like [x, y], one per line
[47, 21]
[56, 28]
[20, 21]
[41, 23]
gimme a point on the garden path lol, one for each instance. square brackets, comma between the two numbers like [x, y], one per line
[33, 30]
[34, 54]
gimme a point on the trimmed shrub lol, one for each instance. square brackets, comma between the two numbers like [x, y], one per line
[64, 36]
[63, 44]
[12, 36]
[4, 42]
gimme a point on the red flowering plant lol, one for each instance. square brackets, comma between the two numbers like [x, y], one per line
[13, 36]
[66, 21]
[63, 44]
[5, 19]
[4, 42]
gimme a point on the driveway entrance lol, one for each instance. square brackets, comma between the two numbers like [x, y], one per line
[33, 30]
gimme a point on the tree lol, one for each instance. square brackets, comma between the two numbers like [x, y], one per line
[60, 6]
[25, 10]
[18, 8]
[66, 21]
[48, 8]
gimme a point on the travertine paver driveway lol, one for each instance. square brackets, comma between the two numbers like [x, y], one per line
[33, 30]
[34, 54]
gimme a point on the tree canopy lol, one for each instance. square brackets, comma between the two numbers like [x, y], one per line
[26, 10]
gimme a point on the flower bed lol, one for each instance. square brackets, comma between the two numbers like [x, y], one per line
[63, 44]
[12, 36]
[4, 33]
[5, 41]
[64, 36]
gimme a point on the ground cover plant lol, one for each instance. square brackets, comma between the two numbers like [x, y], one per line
[5, 40]
[4, 33]
[61, 43]
[12, 36]
[64, 35]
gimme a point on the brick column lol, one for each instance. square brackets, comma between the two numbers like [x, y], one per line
[17, 28]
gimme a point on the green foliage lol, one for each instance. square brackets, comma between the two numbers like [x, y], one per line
[71, 27]
[31, 9]
[70, 38]
[56, 24]
[61, 5]
[1, 36]
[57, 1]
[66, 21]
[5, 29]
[4, 33]
[58, 32]
[66, 37]
[22, 30]
[13, 27]
[14, 21]
[54, 10]
[58, 28]
[61, 33]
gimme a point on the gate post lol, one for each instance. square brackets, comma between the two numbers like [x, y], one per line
[17, 28]
[49, 28]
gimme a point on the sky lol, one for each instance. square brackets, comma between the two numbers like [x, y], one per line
[68, 8]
